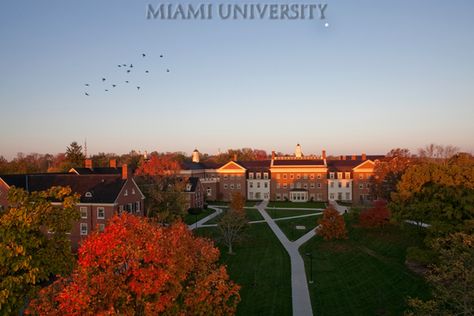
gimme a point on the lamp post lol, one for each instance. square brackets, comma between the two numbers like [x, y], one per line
[310, 255]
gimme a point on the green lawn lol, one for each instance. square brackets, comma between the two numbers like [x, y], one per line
[288, 204]
[289, 226]
[364, 275]
[252, 214]
[226, 204]
[279, 213]
[191, 219]
[261, 267]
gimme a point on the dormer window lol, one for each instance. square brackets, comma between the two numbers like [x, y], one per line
[331, 175]
[126, 193]
[88, 195]
[133, 191]
[188, 187]
[250, 175]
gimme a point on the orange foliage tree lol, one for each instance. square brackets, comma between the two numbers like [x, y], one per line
[136, 267]
[331, 225]
[159, 165]
[376, 216]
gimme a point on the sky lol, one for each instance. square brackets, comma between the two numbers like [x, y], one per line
[382, 74]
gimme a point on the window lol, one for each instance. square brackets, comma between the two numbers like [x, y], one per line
[292, 185]
[348, 175]
[130, 207]
[331, 175]
[251, 175]
[250, 184]
[284, 186]
[101, 227]
[339, 196]
[331, 184]
[312, 186]
[126, 193]
[265, 185]
[133, 191]
[305, 176]
[361, 186]
[311, 176]
[278, 185]
[292, 176]
[137, 206]
[225, 177]
[225, 186]
[258, 184]
[265, 175]
[331, 196]
[319, 185]
[361, 176]
[238, 186]
[209, 191]
[250, 195]
[305, 186]
[278, 197]
[120, 209]
[348, 196]
[259, 175]
[100, 213]
[298, 176]
[232, 186]
[83, 212]
[284, 176]
[319, 176]
[348, 184]
[339, 184]
[339, 175]
[367, 185]
[88, 195]
[83, 229]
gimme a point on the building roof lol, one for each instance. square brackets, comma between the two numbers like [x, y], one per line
[188, 165]
[298, 162]
[343, 165]
[98, 170]
[256, 165]
[103, 188]
[192, 184]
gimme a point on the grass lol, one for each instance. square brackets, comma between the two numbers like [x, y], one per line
[364, 275]
[191, 219]
[252, 215]
[288, 204]
[226, 204]
[279, 213]
[288, 226]
[261, 267]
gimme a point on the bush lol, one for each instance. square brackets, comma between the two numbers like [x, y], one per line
[195, 210]
[421, 256]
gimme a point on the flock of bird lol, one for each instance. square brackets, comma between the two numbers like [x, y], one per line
[128, 68]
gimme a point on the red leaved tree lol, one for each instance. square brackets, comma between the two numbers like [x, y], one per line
[138, 268]
[376, 216]
[159, 165]
[331, 225]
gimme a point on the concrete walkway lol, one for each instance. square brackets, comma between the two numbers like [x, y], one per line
[296, 216]
[200, 223]
[340, 208]
[299, 285]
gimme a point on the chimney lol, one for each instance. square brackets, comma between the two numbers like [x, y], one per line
[354, 157]
[196, 156]
[88, 163]
[113, 163]
[235, 157]
[344, 157]
[364, 156]
[323, 156]
[124, 172]
[273, 155]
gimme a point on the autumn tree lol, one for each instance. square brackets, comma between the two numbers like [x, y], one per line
[331, 225]
[138, 268]
[438, 153]
[452, 278]
[160, 182]
[74, 155]
[440, 194]
[28, 254]
[237, 202]
[376, 216]
[231, 226]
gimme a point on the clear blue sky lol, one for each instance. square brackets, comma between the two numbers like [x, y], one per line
[384, 74]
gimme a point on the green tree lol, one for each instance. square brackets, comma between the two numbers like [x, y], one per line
[231, 226]
[452, 279]
[34, 243]
[74, 155]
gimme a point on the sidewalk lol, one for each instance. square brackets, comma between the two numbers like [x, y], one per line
[299, 285]
[200, 223]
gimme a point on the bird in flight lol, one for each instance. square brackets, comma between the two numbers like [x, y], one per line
[138, 88]
[146, 71]
[114, 85]
[167, 70]
[161, 56]
[103, 79]
[106, 90]
[126, 81]
[86, 84]
[143, 55]
[119, 66]
[87, 94]
[131, 66]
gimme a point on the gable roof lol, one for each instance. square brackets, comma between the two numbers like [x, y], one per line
[232, 166]
[98, 170]
[104, 188]
[367, 164]
[343, 165]
[298, 162]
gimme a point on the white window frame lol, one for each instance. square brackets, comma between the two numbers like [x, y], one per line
[101, 227]
[251, 175]
[100, 208]
[238, 186]
[83, 209]
[265, 175]
[84, 230]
